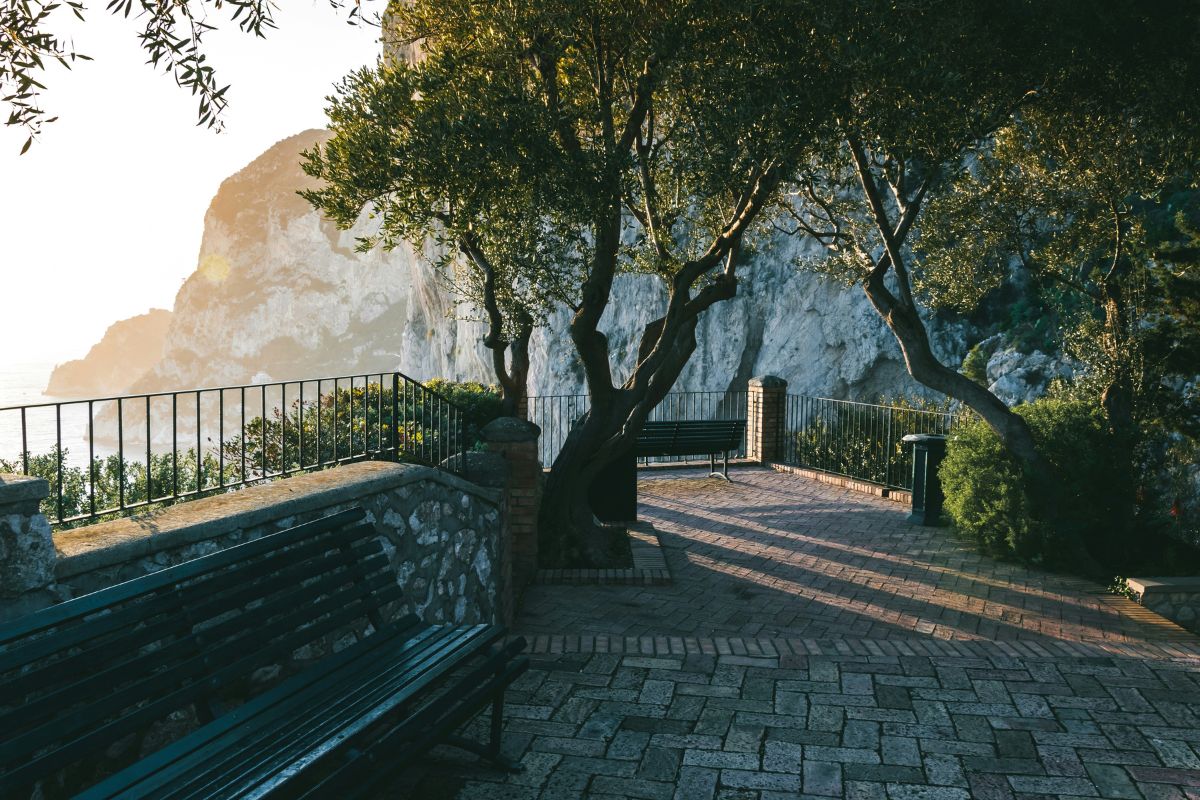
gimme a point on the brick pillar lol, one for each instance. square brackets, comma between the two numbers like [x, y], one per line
[765, 409]
[517, 440]
[27, 554]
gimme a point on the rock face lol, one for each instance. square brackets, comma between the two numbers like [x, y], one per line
[128, 349]
[280, 293]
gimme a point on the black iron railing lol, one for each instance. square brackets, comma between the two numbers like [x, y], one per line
[858, 440]
[107, 456]
[555, 414]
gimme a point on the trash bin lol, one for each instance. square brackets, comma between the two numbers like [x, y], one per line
[613, 493]
[928, 451]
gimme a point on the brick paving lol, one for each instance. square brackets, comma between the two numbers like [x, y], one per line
[814, 644]
[774, 555]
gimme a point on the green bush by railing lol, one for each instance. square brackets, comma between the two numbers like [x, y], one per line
[859, 440]
[178, 445]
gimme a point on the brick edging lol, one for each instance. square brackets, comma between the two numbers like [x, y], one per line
[762, 651]
[866, 487]
[649, 565]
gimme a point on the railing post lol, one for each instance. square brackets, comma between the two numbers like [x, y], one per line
[766, 401]
[396, 416]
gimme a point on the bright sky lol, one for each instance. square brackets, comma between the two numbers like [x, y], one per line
[102, 218]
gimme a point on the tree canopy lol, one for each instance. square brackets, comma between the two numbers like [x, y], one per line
[172, 34]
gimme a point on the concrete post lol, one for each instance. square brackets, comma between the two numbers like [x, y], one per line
[517, 440]
[27, 554]
[765, 411]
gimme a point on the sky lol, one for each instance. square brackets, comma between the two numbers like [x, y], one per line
[101, 220]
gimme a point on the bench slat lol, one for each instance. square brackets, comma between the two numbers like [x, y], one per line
[166, 578]
[176, 654]
[81, 675]
[203, 759]
[210, 670]
[340, 706]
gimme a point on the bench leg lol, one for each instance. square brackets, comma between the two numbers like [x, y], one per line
[712, 461]
[491, 752]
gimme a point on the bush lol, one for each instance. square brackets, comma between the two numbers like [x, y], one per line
[989, 499]
[480, 403]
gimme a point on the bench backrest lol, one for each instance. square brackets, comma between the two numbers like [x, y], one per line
[690, 437]
[76, 677]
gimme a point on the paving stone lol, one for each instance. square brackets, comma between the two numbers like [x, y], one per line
[570, 747]
[909, 791]
[782, 757]
[634, 788]
[1055, 786]
[901, 750]
[696, 783]
[842, 755]
[1112, 781]
[628, 745]
[771, 781]
[718, 759]
[745, 738]
[659, 764]
[822, 778]
[944, 770]
[865, 790]
[600, 726]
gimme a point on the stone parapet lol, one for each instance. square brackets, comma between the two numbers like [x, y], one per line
[26, 547]
[1177, 599]
[441, 533]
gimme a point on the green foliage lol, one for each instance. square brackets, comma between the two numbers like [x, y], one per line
[480, 403]
[356, 423]
[1118, 586]
[865, 441]
[974, 365]
[109, 482]
[347, 425]
[989, 499]
[172, 34]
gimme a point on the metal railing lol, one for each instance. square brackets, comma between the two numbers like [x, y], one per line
[858, 440]
[147, 449]
[555, 414]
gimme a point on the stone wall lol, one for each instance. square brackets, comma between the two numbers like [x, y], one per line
[1177, 599]
[442, 534]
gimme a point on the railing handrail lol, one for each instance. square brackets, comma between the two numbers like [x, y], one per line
[289, 435]
[230, 388]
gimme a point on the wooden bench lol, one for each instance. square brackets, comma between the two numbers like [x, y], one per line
[196, 639]
[692, 438]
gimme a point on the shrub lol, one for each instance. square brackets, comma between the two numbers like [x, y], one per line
[974, 366]
[989, 499]
[481, 403]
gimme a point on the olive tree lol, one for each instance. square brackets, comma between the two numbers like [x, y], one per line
[171, 33]
[643, 136]
[944, 83]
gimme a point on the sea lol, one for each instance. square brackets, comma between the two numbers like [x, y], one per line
[23, 384]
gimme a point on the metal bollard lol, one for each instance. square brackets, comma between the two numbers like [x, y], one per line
[928, 451]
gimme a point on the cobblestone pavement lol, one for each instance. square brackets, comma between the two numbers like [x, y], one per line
[816, 645]
[697, 727]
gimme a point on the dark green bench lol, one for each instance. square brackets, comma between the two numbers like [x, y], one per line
[79, 677]
[696, 437]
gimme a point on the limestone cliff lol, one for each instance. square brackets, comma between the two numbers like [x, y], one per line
[280, 293]
[128, 349]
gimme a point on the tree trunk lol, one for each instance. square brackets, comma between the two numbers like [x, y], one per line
[514, 377]
[568, 531]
